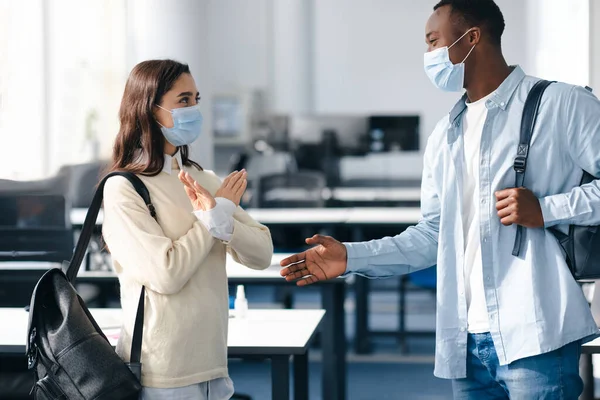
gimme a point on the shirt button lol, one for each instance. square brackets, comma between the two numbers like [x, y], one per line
[484, 240]
[463, 329]
[488, 279]
[482, 201]
[502, 104]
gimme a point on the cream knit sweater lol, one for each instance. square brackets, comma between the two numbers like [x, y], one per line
[183, 269]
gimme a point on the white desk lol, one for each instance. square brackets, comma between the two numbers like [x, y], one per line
[592, 347]
[234, 269]
[355, 194]
[308, 216]
[277, 334]
[385, 216]
[303, 216]
[345, 194]
[333, 294]
[78, 216]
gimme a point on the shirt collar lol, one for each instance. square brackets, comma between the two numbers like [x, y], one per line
[500, 97]
[171, 163]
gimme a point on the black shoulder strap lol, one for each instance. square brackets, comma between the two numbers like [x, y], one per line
[530, 112]
[72, 268]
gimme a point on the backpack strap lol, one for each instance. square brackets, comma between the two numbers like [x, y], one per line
[72, 268]
[530, 112]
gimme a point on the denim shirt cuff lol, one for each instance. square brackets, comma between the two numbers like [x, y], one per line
[356, 262]
[555, 209]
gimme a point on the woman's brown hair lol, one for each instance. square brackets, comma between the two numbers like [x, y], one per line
[139, 131]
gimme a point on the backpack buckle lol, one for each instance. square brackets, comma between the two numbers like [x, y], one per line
[520, 163]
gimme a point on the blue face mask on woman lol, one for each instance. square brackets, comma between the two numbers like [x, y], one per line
[440, 70]
[187, 125]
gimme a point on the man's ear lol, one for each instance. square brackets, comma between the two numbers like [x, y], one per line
[474, 36]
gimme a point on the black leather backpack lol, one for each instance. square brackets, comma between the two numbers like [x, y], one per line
[70, 356]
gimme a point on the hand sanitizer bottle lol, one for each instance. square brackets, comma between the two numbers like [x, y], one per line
[241, 304]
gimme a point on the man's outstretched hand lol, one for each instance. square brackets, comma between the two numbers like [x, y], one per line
[327, 260]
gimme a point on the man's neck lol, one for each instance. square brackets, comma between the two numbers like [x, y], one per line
[494, 70]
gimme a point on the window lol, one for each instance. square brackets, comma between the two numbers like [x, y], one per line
[62, 75]
[562, 41]
[22, 90]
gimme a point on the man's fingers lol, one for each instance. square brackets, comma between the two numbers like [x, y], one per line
[504, 203]
[505, 212]
[286, 262]
[503, 194]
[293, 269]
[300, 274]
[508, 221]
[317, 239]
[309, 280]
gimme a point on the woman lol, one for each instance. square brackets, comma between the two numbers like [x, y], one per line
[181, 258]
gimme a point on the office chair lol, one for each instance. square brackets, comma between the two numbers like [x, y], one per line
[300, 189]
[56, 185]
[82, 180]
[263, 164]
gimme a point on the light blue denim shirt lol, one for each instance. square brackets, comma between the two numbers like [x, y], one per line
[534, 304]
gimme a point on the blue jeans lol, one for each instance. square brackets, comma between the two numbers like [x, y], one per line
[548, 376]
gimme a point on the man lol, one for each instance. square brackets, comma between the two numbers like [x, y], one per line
[507, 326]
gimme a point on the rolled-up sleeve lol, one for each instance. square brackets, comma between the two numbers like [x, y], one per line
[413, 249]
[580, 206]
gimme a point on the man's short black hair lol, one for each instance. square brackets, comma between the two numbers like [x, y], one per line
[483, 13]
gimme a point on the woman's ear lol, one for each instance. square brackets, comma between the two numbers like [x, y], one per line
[160, 117]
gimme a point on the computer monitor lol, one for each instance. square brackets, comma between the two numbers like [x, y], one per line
[393, 133]
[34, 228]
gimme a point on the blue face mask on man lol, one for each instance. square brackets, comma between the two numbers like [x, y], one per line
[187, 125]
[440, 70]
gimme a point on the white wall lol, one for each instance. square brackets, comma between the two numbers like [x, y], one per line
[22, 96]
[292, 58]
[560, 39]
[595, 45]
[369, 57]
[178, 30]
[239, 36]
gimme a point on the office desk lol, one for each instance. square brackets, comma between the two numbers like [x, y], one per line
[333, 294]
[355, 218]
[586, 368]
[276, 334]
[371, 194]
[311, 216]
